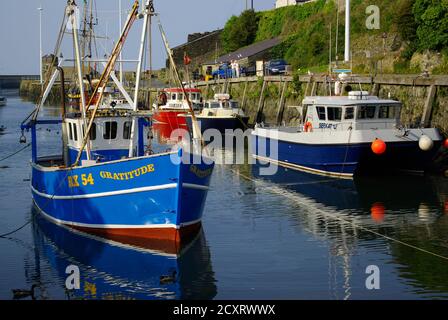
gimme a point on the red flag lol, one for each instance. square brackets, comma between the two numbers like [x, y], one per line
[187, 59]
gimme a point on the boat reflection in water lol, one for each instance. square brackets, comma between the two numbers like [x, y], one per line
[363, 195]
[114, 270]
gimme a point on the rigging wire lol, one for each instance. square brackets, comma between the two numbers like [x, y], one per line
[16, 152]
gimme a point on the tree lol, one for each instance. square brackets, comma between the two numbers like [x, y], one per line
[240, 31]
[405, 20]
[432, 19]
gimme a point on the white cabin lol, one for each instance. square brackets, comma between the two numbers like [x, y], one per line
[221, 106]
[359, 110]
[175, 99]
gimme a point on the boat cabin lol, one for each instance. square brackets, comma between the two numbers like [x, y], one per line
[221, 105]
[358, 110]
[173, 98]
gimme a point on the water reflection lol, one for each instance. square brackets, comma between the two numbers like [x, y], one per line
[113, 270]
[361, 213]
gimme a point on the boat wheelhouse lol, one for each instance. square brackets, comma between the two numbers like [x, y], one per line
[172, 102]
[222, 113]
[337, 134]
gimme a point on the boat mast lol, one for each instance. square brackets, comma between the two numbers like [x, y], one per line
[99, 89]
[79, 66]
[196, 130]
[347, 31]
[147, 11]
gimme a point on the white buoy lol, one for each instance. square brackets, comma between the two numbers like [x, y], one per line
[425, 143]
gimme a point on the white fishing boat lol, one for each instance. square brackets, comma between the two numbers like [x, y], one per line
[343, 136]
[221, 113]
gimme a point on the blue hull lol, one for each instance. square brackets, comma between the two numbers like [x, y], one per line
[345, 161]
[146, 197]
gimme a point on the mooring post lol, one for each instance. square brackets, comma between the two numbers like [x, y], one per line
[243, 101]
[207, 88]
[281, 104]
[376, 89]
[426, 117]
[261, 103]
[314, 88]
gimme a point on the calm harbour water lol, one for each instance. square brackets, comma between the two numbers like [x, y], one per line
[290, 236]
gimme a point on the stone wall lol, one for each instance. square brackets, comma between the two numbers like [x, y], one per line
[200, 46]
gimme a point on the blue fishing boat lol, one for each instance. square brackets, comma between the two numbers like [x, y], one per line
[106, 181]
[343, 136]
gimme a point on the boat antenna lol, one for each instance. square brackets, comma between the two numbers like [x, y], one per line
[106, 74]
[196, 130]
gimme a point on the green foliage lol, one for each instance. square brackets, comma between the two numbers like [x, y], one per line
[240, 31]
[431, 17]
[305, 29]
[405, 20]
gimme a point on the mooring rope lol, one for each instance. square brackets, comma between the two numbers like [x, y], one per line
[16, 152]
[347, 221]
[5, 235]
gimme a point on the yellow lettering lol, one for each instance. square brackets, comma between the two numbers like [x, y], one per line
[73, 181]
[120, 175]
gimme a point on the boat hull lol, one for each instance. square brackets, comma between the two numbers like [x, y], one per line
[344, 160]
[170, 117]
[148, 197]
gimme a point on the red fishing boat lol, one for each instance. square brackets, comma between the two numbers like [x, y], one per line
[172, 102]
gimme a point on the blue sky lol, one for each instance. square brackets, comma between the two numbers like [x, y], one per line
[19, 27]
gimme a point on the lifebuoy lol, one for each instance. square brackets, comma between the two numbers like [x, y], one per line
[308, 127]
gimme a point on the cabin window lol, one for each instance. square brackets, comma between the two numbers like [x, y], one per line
[387, 112]
[75, 132]
[180, 96]
[193, 96]
[214, 105]
[366, 112]
[70, 131]
[110, 131]
[334, 113]
[173, 96]
[321, 113]
[127, 126]
[234, 104]
[93, 132]
[349, 113]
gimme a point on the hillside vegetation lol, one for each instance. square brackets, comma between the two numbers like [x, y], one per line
[413, 34]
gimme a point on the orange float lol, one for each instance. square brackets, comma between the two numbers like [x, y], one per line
[378, 146]
[308, 127]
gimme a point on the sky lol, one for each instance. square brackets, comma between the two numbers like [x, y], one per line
[19, 27]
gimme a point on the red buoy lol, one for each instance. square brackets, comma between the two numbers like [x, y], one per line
[378, 146]
[378, 212]
[445, 143]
